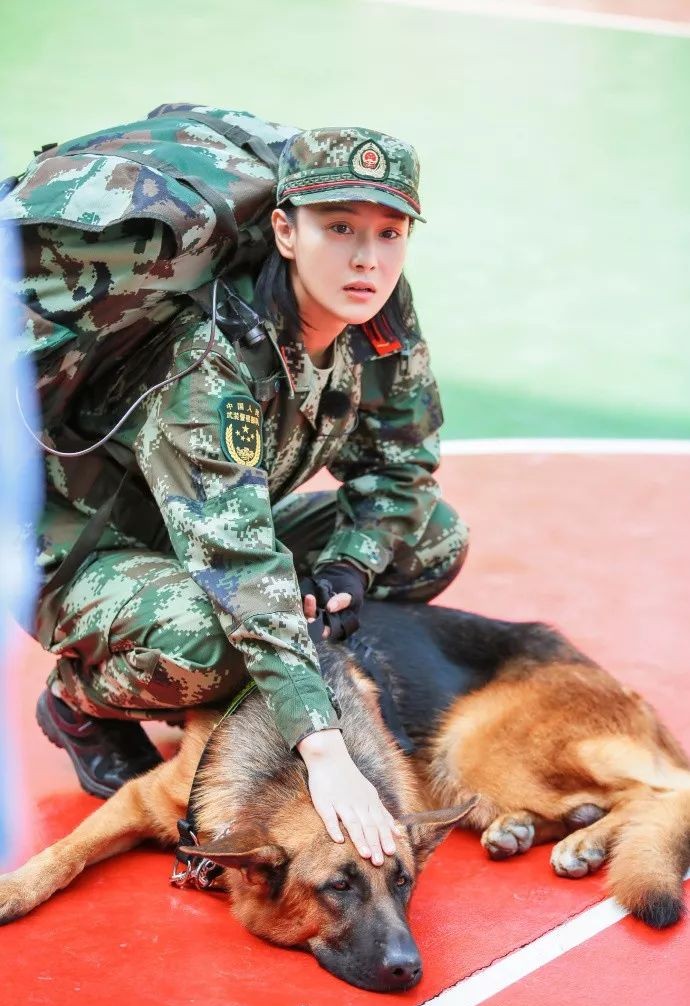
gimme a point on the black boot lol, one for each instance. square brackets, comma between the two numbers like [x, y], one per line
[105, 753]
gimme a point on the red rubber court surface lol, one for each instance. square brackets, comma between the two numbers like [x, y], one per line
[597, 545]
[625, 964]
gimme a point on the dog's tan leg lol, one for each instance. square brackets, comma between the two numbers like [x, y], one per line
[147, 807]
[121, 823]
[517, 831]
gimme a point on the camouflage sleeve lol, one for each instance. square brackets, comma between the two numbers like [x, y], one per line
[199, 449]
[386, 466]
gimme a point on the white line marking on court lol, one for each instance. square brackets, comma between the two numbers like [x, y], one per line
[556, 15]
[477, 988]
[555, 445]
[522, 962]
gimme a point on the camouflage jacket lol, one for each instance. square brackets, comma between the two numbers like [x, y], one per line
[105, 317]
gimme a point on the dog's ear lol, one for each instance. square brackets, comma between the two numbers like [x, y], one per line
[427, 830]
[261, 862]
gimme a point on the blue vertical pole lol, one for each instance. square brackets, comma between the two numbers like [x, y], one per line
[20, 497]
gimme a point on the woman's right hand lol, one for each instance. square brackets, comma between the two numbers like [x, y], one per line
[341, 794]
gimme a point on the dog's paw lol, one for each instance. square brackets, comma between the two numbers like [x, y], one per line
[13, 900]
[577, 855]
[29, 886]
[508, 835]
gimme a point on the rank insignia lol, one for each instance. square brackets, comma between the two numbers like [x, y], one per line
[240, 430]
[369, 161]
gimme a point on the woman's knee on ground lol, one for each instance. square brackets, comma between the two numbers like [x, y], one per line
[422, 571]
[177, 653]
[164, 650]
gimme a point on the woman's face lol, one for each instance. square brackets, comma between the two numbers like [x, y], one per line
[345, 259]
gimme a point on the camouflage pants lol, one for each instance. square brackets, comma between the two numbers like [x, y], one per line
[136, 638]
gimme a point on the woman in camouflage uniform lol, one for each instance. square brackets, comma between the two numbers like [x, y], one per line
[193, 590]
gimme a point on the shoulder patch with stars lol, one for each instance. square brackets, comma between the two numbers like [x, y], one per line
[240, 430]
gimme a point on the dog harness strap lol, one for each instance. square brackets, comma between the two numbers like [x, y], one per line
[197, 871]
[243, 693]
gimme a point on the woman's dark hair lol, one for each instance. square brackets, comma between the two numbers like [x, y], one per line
[275, 299]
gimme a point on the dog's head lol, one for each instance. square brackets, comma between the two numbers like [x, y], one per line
[297, 888]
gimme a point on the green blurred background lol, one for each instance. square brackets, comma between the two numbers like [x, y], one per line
[552, 276]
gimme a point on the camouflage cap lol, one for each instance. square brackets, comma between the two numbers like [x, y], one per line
[339, 165]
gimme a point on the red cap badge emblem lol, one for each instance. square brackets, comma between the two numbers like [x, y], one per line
[369, 161]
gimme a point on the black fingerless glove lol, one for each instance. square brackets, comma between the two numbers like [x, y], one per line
[337, 578]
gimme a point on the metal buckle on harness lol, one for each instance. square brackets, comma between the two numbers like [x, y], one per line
[195, 874]
[196, 871]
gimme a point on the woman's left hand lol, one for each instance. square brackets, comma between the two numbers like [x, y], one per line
[333, 588]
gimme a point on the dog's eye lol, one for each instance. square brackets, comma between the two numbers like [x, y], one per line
[339, 885]
[402, 880]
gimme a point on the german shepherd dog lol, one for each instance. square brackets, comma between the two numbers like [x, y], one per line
[517, 735]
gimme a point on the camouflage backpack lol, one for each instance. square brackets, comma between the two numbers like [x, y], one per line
[207, 174]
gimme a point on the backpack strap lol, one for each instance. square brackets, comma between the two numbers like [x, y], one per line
[240, 137]
[251, 336]
[86, 543]
[149, 523]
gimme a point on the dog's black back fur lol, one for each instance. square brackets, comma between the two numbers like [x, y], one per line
[430, 655]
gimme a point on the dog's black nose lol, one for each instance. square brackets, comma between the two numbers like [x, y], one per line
[401, 968]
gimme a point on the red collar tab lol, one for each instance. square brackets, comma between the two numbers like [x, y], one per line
[382, 339]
